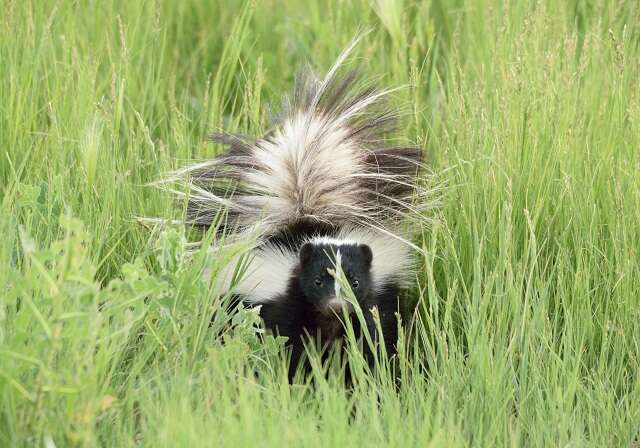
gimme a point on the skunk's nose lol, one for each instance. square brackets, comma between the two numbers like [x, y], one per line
[337, 305]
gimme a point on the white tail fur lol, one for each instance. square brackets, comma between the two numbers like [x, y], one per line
[324, 162]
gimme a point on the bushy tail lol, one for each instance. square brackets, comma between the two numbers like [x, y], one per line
[324, 162]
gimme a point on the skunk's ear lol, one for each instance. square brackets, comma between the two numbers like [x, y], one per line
[306, 251]
[366, 253]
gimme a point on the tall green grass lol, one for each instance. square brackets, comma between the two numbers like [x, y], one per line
[529, 295]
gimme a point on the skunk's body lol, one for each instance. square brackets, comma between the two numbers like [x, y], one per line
[323, 178]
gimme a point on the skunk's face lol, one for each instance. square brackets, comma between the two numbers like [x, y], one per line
[320, 287]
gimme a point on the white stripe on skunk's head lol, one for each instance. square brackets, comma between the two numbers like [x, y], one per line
[392, 258]
[319, 274]
[336, 280]
[271, 267]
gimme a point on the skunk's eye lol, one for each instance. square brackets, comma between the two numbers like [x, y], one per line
[318, 282]
[355, 284]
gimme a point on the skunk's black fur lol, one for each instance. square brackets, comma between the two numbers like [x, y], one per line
[311, 310]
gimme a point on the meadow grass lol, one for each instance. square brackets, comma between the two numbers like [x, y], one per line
[529, 324]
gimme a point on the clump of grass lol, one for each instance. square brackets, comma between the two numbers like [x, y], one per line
[528, 292]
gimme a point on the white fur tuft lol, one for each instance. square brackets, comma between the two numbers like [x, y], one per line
[324, 162]
[267, 274]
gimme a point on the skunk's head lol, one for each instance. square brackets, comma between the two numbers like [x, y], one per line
[320, 288]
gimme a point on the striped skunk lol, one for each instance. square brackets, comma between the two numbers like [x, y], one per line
[308, 302]
[322, 190]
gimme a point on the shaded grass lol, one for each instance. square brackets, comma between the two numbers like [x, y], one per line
[529, 292]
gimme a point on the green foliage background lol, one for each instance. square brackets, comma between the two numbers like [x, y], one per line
[530, 114]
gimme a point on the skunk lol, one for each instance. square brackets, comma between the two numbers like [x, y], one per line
[321, 190]
[309, 303]
[312, 304]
